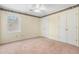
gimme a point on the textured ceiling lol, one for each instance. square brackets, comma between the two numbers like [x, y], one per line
[25, 8]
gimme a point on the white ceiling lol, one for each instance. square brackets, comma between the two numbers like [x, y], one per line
[25, 8]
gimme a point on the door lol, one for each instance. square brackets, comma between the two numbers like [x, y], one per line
[71, 27]
[62, 27]
[68, 27]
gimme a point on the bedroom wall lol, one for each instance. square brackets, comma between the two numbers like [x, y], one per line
[50, 26]
[30, 27]
[44, 26]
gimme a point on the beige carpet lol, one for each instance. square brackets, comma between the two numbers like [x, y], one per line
[38, 45]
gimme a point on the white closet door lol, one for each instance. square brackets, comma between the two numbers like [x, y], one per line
[71, 27]
[62, 28]
[68, 27]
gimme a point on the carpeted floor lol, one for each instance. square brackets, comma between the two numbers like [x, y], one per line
[38, 46]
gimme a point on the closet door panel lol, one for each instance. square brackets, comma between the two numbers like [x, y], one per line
[62, 27]
[71, 27]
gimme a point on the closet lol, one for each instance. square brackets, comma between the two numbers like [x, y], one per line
[62, 26]
[68, 26]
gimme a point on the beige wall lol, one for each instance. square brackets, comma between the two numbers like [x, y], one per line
[30, 27]
[50, 26]
[53, 26]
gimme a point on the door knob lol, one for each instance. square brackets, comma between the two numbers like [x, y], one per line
[66, 29]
